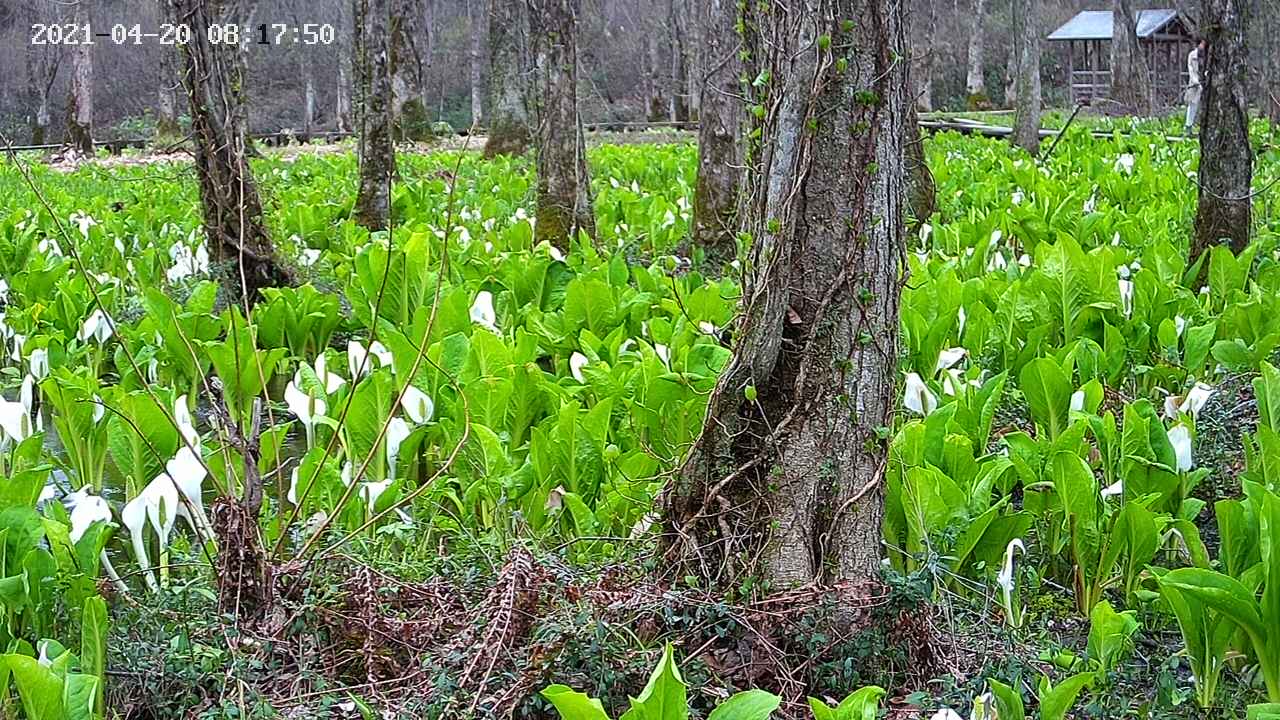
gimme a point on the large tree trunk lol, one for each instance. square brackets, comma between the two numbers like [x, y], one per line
[476, 23]
[1226, 159]
[679, 64]
[785, 483]
[715, 198]
[407, 75]
[342, 94]
[308, 100]
[975, 84]
[42, 69]
[1026, 115]
[80, 105]
[214, 80]
[923, 191]
[510, 77]
[374, 97]
[564, 182]
[1130, 79]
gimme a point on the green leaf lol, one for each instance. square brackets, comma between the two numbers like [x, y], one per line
[1055, 702]
[1225, 595]
[749, 705]
[39, 689]
[573, 705]
[665, 696]
[861, 704]
[1008, 701]
[1048, 392]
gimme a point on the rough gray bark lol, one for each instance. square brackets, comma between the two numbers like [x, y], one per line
[1270, 100]
[42, 63]
[1026, 111]
[679, 107]
[80, 105]
[167, 128]
[510, 77]
[1130, 78]
[924, 58]
[308, 100]
[214, 80]
[342, 94]
[476, 26]
[923, 195]
[788, 487]
[653, 80]
[1226, 158]
[564, 204]
[375, 113]
[715, 196]
[975, 84]
[406, 67]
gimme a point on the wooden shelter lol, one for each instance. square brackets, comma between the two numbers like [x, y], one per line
[1165, 37]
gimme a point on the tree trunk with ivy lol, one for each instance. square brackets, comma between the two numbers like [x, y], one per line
[785, 483]
[80, 105]
[1026, 109]
[1224, 212]
[213, 76]
[715, 197]
[564, 204]
[1130, 80]
[374, 113]
[510, 77]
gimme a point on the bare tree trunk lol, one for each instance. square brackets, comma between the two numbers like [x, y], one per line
[923, 191]
[564, 182]
[510, 77]
[308, 100]
[374, 97]
[1026, 116]
[924, 57]
[214, 80]
[407, 75]
[653, 80]
[715, 197]
[785, 483]
[976, 82]
[1270, 100]
[1130, 79]
[167, 128]
[342, 94]
[1226, 158]
[80, 106]
[477, 63]
[42, 70]
[679, 72]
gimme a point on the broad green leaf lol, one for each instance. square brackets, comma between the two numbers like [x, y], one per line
[1048, 392]
[748, 705]
[573, 705]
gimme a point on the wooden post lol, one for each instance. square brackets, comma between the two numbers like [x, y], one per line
[1071, 71]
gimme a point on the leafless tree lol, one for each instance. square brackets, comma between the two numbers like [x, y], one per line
[564, 183]
[715, 197]
[375, 111]
[80, 107]
[976, 80]
[1026, 118]
[1226, 158]
[1130, 78]
[476, 23]
[785, 483]
[510, 78]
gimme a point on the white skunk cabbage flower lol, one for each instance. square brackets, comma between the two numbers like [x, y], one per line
[1007, 580]
[15, 421]
[948, 358]
[157, 506]
[945, 714]
[982, 708]
[86, 509]
[482, 312]
[38, 362]
[397, 431]
[96, 327]
[1196, 399]
[417, 405]
[1125, 164]
[371, 491]
[362, 361]
[186, 426]
[27, 398]
[577, 361]
[1112, 490]
[1180, 438]
[918, 398]
[961, 317]
[306, 408]
[1077, 401]
[1179, 324]
[1017, 197]
[1126, 296]
[187, 473]
[83, 221]
[332, 381]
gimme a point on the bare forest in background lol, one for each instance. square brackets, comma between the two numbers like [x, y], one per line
[640, 60]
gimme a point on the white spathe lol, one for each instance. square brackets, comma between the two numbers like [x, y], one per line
[1126, 296]
[1180, 439]
[1077, 401]
[949, 357]
[577, 361]
[306, 408]
[15, 421]
[38, 362]
[96, 327]
[86, 509]
[945, 714]
[482, 312]
[186, 426]
[362, 361]
[371, 491]
[397, 431]
[157, 506]
[1114, 489]
[918, 398]
[417, 405]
